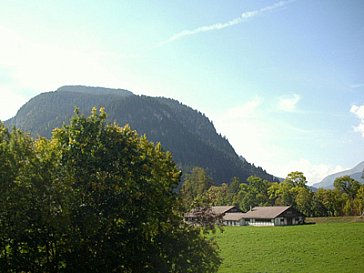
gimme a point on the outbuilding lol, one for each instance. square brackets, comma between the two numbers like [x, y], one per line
[214, 213]
[234, 219]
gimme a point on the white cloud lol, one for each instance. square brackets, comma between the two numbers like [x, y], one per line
[313, 172]
[358, 111]
[288, 103]
[243, 111]
[218, 26]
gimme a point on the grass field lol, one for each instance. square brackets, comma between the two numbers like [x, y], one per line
[322, 247]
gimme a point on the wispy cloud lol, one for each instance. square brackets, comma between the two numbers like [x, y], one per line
[244, 111]
[245, 16]
[288, 103]
[358, 111]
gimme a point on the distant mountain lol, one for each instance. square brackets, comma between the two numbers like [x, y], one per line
[356, 173]
[187, 133]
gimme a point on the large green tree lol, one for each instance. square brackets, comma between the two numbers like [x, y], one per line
[359, 201]
[347, 185]
[31, 205]
[94, 198]
[296, 179]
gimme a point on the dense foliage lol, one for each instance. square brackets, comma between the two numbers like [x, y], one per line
[347, 198]
[94, 198]
[187, 133]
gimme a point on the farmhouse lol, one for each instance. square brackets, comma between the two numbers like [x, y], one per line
[273, 216]
[257, 216]
[264, 216]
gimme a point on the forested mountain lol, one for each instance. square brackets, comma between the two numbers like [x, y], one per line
[356, 173]
[187, 133]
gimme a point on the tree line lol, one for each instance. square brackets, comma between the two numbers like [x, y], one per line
[94, 197]
[346, 198]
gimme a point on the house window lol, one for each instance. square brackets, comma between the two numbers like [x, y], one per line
[264, 222]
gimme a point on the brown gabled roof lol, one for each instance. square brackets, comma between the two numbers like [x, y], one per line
[266, 212]
[218, 210]
[215, 211]
[235, 216]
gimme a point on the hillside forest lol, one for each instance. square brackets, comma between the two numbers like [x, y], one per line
[187, 133]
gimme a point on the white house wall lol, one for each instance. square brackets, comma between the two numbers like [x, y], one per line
[280, 221]
[257, 222]
[234, 223]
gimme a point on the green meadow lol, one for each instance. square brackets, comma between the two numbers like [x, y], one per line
[321, 247]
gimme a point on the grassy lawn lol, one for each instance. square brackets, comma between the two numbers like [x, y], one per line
[342, 219]
[322, 247]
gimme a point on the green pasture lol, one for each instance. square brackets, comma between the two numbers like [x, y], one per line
[322, 247]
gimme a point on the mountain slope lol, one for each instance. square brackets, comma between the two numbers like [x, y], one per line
[187, 133]
[356, 173]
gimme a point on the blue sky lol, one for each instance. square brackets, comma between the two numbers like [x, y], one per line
[282, 80]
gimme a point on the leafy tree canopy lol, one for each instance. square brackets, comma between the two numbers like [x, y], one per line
[348, 185]
[94, 198]
[196, 183]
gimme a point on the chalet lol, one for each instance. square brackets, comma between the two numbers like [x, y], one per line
[257, 216]
[265, 216]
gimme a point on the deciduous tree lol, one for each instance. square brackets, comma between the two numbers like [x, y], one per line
[94, 198]
[196, 183]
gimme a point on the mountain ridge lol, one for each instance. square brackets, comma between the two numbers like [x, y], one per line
[356, 173]
[94, 90]
[186, 132]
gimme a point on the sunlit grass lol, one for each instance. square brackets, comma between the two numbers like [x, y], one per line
[326, 247]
